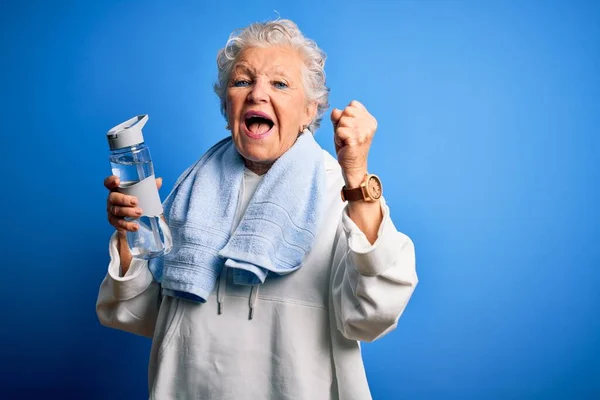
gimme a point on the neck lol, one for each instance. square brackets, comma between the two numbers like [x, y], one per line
[258, 168]
[261, 168]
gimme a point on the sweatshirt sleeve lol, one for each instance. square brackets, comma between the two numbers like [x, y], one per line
[130, 302]
[371, 284]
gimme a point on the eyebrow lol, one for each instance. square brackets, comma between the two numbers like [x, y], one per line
[242, 66]
[246, 68]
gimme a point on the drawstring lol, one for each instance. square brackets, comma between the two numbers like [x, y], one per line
[221, 285]
[252, 300]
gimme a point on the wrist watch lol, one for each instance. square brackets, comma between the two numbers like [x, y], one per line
[369, 190]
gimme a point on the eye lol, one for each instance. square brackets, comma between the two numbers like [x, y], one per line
[241, 83]
[280, 85]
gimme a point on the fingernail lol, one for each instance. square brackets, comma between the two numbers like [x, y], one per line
[134, 202]
[138, 211]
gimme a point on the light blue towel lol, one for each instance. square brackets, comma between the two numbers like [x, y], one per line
[275, 233]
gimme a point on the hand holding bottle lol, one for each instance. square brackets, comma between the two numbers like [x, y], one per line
[119, 206]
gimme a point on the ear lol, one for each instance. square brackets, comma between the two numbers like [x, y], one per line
[310, 112]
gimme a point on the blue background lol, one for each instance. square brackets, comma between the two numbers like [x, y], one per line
[488, 145]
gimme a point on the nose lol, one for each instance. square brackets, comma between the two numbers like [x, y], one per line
[259, 92]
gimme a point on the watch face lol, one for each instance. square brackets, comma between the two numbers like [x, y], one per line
[374, 187]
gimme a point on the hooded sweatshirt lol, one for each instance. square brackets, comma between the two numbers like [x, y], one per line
[294, 337]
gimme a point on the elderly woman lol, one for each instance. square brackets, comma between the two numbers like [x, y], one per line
[283, 258]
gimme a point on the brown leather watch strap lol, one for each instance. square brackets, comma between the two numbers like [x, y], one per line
[353, 194]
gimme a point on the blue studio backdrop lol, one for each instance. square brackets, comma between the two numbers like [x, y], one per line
[488, 146]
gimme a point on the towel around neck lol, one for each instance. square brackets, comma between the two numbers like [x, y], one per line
[275, 233]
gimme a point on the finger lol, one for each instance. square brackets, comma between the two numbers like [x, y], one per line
[347, 121]
[158, 183]
[121, 224]
[339, 143]
[121, 199]
[112, 182]
[119, 211]
[346, 137]
[351, 112]
[357, 104]
[335, 116]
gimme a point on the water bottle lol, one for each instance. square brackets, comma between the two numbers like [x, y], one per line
[130, 161]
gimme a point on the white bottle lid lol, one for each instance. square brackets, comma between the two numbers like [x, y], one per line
[127, 134]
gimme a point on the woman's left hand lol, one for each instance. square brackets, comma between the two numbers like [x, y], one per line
[354, 129]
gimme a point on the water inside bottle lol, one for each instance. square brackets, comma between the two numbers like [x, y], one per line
[145, 243]
[129, 171]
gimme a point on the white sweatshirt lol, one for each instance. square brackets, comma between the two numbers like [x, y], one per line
[302, 341]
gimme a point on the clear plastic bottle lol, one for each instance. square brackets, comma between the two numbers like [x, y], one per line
[131, 162]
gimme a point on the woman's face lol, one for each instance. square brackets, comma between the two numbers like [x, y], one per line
[266, 105]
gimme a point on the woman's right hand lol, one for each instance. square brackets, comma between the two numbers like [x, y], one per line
[119, 206]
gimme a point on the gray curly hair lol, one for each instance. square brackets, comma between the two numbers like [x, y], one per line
[280, 32]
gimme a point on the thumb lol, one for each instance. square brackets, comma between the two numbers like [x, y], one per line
[335, 116]
[158, 183]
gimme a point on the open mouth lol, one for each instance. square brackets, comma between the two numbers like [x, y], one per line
[258, 123]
